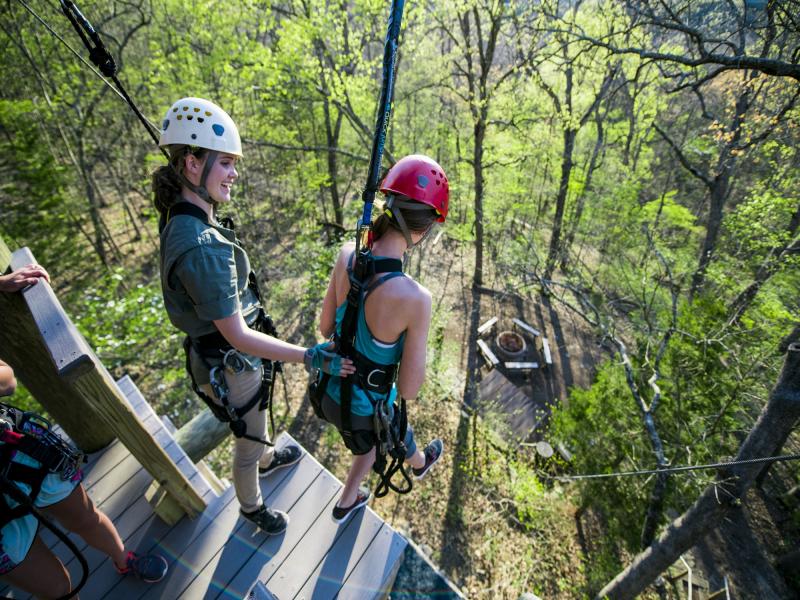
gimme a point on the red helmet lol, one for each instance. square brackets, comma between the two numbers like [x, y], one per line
[420, 178]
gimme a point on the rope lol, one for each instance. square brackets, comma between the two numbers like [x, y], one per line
[682, 469]
[71, 49]
[119, 90]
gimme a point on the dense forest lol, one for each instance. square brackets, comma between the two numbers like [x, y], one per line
[624, 175]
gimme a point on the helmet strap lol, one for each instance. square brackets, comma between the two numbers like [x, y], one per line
[394, 204]
[201, 190]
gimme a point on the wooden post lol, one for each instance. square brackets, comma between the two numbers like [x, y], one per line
[79, 370]
[22, 346]
[201, 435]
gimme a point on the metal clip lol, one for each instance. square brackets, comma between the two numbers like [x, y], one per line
[218, 384]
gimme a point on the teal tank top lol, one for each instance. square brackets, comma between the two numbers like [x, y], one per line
[373, 349]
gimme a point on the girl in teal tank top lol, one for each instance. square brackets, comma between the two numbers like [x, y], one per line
[395, 307]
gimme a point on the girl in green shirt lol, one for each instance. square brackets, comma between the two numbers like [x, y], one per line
[210, 294]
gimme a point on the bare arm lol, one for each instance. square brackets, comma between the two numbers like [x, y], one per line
[240, 336]
[412, 365]
[327, 318]
[8, 383]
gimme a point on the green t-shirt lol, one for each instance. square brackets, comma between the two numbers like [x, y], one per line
[204, 275]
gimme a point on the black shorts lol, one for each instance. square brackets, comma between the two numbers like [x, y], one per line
[364, 438]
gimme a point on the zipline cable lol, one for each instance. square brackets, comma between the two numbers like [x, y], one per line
[98, 54]
[101, 57]
[70, 48]
[681, 469]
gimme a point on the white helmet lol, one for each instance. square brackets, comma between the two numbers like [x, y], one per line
[198, 122]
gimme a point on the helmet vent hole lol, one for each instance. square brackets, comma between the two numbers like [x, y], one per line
[208, 113]
[200, 119]
[218, 129]
[165, 124]
[175, 109]
[194, 136]
[189, 117]
[185, 108]
[196, 109]
[179, 117]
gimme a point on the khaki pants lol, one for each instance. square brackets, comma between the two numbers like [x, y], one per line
[248, 456]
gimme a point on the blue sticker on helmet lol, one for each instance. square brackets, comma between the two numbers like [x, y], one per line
[422, 181]
[218, 129]
[165, 124]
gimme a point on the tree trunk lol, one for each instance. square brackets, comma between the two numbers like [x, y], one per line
[776, 422]
[332, 136]
[477, 166]
[719, 194]
[581, 199]
[561, 200]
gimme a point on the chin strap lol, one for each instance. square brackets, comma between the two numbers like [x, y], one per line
[201, 190]
[393, 205]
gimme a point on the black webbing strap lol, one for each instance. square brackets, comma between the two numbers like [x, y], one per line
[365, 268]
[227, 413]
[19, 473]
[397, 451]
[25, 502]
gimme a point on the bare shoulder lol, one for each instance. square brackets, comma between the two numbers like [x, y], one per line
[414, 295]
[344, 255]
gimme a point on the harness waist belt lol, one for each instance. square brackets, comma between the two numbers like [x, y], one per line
[374, 377]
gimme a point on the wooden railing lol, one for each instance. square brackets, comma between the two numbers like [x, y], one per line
[56, 364]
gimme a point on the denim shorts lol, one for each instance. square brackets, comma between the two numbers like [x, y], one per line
[17, 536]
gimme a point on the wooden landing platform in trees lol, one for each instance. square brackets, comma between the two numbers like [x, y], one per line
[500, 399]
[220, 555]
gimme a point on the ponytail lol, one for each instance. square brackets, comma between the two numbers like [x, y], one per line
[417, 221]
[166, 181]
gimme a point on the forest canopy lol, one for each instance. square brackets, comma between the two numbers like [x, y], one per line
[632, 166]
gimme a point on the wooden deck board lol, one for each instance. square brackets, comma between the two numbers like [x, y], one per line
[241, 556]
[373, 570]
[220, 555]
[313, 505]
[233, 545]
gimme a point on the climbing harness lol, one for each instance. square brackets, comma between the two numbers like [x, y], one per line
[375, 379]
[31, 434]
[210, 348]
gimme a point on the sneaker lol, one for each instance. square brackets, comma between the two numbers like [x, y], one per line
[433, 453]
[281, 458]
[341, 513]
[150, 568]
[271, 522]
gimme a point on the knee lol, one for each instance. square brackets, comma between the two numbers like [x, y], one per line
[60, 585]
[84, 520]
[247, 454]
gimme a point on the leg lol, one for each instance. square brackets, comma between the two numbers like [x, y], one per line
[78, 513]
[362, 463]
[247, 455]
[40, 574]
[414, 456]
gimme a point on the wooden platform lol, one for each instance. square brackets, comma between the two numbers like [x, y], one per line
[501, 399]
[219, 554]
